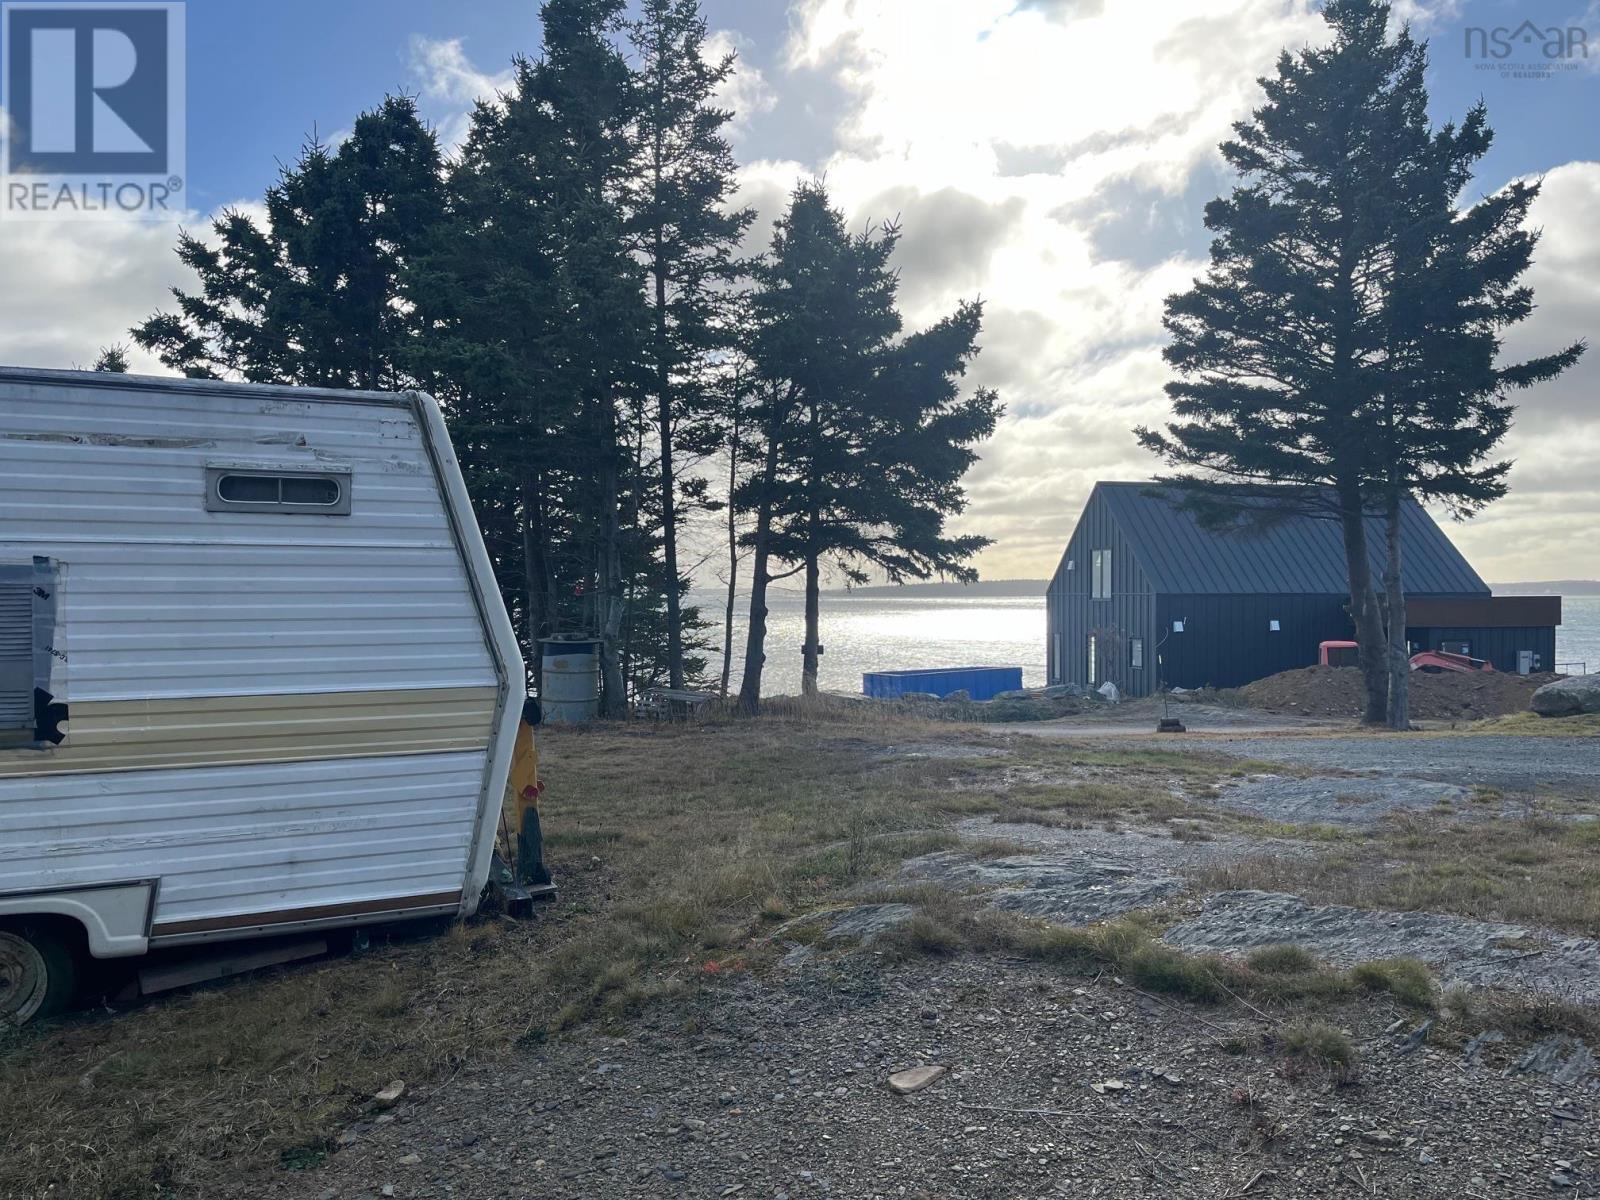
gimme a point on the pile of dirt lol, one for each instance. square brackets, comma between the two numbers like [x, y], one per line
[1435, 695]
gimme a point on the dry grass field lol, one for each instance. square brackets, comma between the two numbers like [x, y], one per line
[679, 850]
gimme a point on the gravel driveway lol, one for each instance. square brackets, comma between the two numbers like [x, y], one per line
[1516, 763]
[1056, 1087]
[1510, 763]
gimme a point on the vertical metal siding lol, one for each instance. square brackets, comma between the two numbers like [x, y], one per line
[1227, 640]
[1072, 612]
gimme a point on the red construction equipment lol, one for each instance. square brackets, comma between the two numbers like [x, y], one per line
[1444, 660]
[1343, 654]
[1337, 654]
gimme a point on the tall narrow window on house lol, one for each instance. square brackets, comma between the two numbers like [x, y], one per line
[1100, 574]
[16, 659]
[1094, 665]
[1055, 659]
[1136, 653]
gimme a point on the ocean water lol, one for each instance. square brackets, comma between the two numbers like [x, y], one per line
[1578, 638]
[878, 633]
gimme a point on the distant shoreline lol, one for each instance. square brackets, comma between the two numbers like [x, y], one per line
[1549, 587]
[984, 587]
[1036, 588]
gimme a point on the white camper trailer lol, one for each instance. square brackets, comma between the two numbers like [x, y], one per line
[255, 674]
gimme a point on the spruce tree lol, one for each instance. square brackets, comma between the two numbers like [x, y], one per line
[687, 237]
[1453, 286]
[866, 435]
[310, 296]
[113, 359]
[1308, 378]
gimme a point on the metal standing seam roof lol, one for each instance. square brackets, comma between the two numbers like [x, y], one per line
[1297, 555]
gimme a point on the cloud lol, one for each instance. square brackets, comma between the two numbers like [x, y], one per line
[746, 92]
[1044, 156]
[450, 86]
[1055, 157]
[1555, 489]
[68, 288]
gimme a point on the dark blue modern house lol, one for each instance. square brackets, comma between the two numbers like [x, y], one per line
[1146, 598]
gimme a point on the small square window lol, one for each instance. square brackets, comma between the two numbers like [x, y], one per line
[1177, 627]
[1273, 626]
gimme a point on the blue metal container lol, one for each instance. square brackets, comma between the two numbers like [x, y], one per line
[981, 683]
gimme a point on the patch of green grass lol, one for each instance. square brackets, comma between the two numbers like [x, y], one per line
[1282, 960]
[925, 935]
[1406, 979]
[1322, 1044]
[1158, 968]
[1582, 725]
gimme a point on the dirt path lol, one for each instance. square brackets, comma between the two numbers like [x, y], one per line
[1055, 1087]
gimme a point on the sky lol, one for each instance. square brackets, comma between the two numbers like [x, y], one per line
[1052, 157]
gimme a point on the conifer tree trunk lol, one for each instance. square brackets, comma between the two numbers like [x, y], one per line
[1398, 660]
[812, 652]
[755, 644]
[533, 566]
[733, 548]
[1370, 640]
[669, 508]
[612, 585]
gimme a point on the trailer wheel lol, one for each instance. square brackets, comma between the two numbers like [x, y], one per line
[38, 972]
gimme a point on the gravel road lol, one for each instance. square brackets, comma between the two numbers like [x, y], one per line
[1517, 763]
[1056, 1087]
[1510, 763]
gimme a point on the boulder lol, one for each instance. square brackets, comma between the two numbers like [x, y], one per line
[1016, 694]
[921, 696]
[1568, 697]
[959, 695]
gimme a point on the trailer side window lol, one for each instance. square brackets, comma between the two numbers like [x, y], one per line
[286, 491]
[16, 659]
